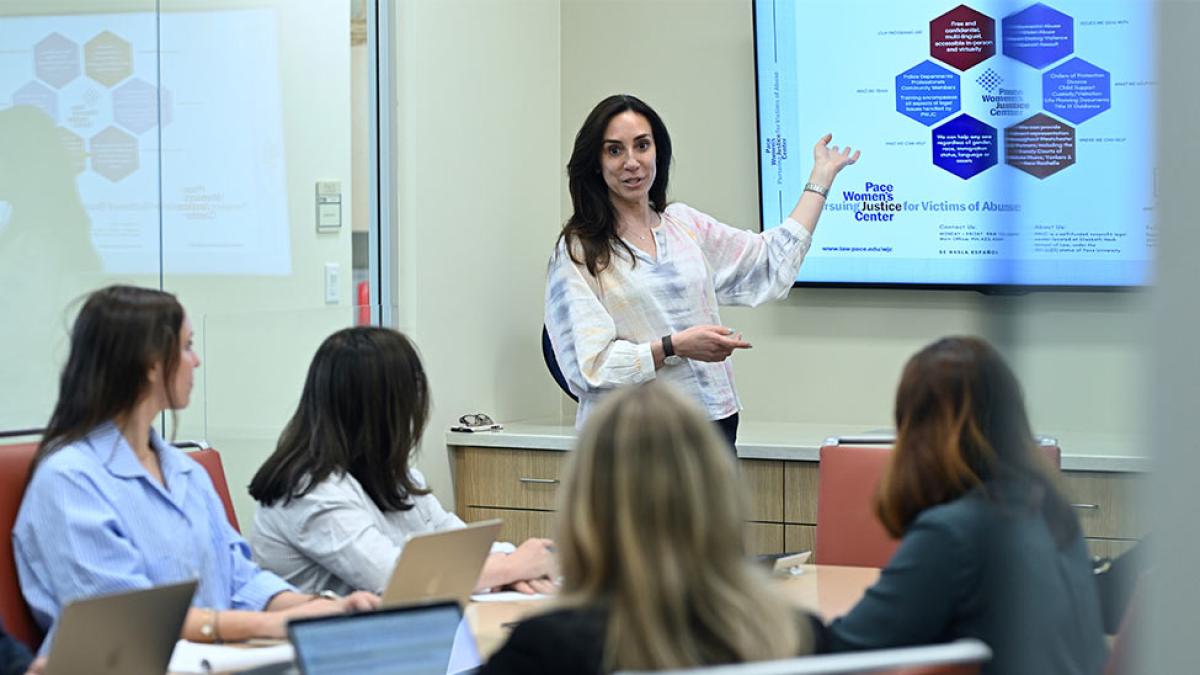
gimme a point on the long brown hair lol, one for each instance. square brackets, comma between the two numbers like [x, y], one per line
[651, 522]
[591, 231]
[120, 334]
[961, 424]
[363, 409]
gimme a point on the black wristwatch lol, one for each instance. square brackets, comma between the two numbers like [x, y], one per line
[669, 357]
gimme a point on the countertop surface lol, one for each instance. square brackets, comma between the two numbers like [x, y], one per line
[1081, 451]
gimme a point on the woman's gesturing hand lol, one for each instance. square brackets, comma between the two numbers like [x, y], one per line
[828, 161]
[707, 343]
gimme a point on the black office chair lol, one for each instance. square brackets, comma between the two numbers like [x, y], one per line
[552, 365]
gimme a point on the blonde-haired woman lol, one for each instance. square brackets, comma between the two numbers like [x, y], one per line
[654, 575]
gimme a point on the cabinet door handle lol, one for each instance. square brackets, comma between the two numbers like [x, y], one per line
[1088, 507]
[540, 481]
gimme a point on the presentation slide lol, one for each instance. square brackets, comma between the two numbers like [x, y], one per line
[222, 171]
[1004, 143]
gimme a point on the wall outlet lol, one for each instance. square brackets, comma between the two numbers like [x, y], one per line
[332, 281]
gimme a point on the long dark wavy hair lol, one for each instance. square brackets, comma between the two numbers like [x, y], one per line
[363, 409]
[120, 334]
[593, 225]
[961, 424]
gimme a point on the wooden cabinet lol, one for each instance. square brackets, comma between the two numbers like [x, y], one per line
[1108, 508]
[518, 486]
[521, 486]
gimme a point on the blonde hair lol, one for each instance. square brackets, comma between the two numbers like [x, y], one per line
[651, 525]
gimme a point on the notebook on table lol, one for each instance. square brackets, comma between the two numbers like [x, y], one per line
[420, 639]
[125, 634]
[441, 565]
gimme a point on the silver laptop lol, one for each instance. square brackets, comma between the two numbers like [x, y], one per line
[125, 634]
[422, 639]
[441, 565]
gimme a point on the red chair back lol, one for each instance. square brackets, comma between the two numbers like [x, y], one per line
[210, 459]
[15, 460]
[848, 533]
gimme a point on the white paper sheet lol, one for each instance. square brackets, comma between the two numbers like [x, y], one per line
[194, 657]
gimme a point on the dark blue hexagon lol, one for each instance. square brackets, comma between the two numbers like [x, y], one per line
[928, 93]
[965, 147]
[1076, 90]
[1037, 35]
[39, 96]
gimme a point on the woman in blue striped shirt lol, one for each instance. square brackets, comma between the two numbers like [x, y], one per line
[111, 507]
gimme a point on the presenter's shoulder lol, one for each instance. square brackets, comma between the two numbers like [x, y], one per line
[682, 211]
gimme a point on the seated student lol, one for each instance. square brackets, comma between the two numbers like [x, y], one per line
[111, 507]
[337, 499]
[14, 657]
[990, 549]
[650, 531]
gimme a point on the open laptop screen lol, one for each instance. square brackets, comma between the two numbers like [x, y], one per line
[403, 640]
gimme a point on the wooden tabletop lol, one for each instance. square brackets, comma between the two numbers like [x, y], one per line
[826, 590]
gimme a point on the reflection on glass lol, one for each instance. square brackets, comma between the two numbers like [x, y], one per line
[78, 171]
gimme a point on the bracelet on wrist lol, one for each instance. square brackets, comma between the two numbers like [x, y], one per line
[819, 189]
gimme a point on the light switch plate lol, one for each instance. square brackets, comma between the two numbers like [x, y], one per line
[329, 205]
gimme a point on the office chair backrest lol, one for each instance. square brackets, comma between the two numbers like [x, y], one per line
[552, 365]
[848, 531]
[210, 459]
[15, 460]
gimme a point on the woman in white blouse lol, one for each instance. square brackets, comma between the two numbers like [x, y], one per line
[634, 283]
[337, 498]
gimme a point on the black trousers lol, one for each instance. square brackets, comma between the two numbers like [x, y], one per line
[728, 428]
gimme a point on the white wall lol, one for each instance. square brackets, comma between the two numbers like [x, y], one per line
[834, 355]
[478, 154]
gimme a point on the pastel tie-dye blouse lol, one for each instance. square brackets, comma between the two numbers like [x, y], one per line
[602, 327]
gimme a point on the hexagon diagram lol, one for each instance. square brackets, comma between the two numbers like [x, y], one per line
[73, 144]
[962, 37]
[928, 93]
[1040, 145]
[56, 60]
[39, 96]
[114, 154]
[964, 146]
[135, 105]
[1037, 35]
[1076, 90]
[108, 59]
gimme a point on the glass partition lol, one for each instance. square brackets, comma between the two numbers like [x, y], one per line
[253, 366]
[219, 151]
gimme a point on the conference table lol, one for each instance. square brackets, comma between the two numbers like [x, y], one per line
[828, 591]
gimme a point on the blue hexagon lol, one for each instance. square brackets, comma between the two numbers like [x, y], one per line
[135, 105]
[56, 60]
[1076, 90]
[1038, 35]
[39, 96]
[928, 93]
[965, 147]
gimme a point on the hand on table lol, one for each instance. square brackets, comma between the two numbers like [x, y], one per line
[358, 601]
